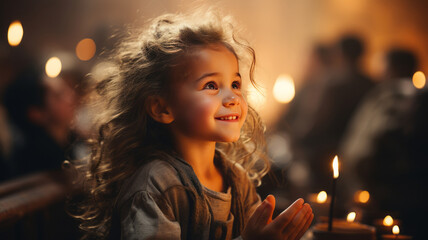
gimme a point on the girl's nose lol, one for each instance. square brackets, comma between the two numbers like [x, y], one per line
[231, 100]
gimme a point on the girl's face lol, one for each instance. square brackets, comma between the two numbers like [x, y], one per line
[206, 97]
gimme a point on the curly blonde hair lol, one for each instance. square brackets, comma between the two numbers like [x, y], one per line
[127, 136]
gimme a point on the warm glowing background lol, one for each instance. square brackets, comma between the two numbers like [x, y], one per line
[68, 35]
[282, 31]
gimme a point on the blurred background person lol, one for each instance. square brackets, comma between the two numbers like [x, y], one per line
[11, 61]
[293, 126]
[319, 116]
[301, 113]
[382, 151]
[41, 111]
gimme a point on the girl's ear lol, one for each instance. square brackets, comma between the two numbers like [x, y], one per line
[159, 110]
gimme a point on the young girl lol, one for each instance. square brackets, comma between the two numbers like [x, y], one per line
[178, 149]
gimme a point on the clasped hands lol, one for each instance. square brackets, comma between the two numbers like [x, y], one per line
[291, 224]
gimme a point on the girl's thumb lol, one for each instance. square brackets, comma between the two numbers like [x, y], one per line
[271, 207]
[266, 217]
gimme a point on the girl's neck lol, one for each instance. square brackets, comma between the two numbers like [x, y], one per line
[200, 155]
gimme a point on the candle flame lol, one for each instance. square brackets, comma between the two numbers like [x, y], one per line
[388, 221]
[322, 197]
[336, 167]
[351, 217]
[395, 230]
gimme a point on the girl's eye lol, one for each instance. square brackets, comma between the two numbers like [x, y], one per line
[236, 85]
[211, 86]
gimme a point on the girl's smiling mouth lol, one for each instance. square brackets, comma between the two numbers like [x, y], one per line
[228, 118]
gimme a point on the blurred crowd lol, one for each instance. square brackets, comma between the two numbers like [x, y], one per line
[377, 127]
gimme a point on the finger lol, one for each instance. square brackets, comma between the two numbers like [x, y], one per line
[263, 212]
[306, 226]
[271, 200]
[287, 215]
[266, 216]
[254, 219]
[300, 221]
[293, 227]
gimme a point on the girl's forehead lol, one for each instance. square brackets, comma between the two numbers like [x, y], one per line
[203, 58]
[199, 55]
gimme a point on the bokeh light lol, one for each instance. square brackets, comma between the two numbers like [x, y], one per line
[256, 97]
[395, 230]
[15, 33]
[362, 196]
[283, 90]
[351, 217]
[388, 221]
[322, 197]
[53, 67]
[419, 80]
[85, 49]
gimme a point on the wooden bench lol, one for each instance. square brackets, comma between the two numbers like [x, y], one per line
[34, 207]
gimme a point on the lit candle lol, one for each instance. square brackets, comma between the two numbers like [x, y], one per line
[333, 191]
[396, 234]
[395, 230]
[384, 226]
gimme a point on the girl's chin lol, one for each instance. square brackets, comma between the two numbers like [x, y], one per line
[229, 139]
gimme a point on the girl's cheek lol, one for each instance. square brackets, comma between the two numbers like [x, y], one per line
[200, 111]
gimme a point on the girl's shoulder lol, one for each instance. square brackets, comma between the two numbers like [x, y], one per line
[153, 177]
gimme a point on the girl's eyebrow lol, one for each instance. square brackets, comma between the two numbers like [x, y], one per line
[214, 74]
[205, 75]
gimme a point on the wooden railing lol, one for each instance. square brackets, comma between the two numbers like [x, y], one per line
[34, 207]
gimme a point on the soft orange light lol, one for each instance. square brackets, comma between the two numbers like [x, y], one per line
[322, 197]
[15, 33]
[256, 96]
[419, 80]
[363, 196]
[388, 221]
[85, 49]
[395, 230]
[336, 167]
[283, 89]
[351, 217]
